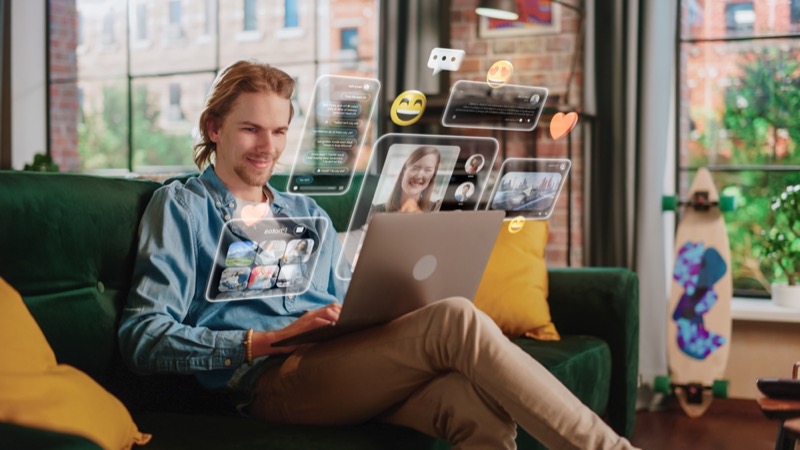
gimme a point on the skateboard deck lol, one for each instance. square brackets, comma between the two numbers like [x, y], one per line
[699, 311]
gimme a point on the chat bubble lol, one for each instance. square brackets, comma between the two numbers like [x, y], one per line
[445, 59]
[349, 110]
[325, 158]
[355, 96]
[326, 143]
[335, 132]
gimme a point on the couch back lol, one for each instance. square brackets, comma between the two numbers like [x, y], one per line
[68, 244]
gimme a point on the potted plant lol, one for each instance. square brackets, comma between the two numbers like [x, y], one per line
[781, 241]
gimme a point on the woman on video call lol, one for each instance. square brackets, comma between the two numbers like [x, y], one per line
[414, 186]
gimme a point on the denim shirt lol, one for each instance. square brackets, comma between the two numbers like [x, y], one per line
[167, 324]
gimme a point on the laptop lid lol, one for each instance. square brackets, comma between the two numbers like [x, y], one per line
[408, 261]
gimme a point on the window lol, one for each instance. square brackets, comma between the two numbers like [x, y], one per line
[138, 105]
[175, 30]
[739, 79]
[349, 39]
[291, 15]
[795, 12]
[250, 15]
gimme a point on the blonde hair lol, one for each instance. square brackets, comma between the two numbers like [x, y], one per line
[238, 78]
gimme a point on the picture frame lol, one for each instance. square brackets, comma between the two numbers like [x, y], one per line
[535, 17]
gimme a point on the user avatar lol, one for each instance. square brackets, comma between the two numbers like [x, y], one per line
[474, 164]
[415, 183]
[234, 279]
[240, 253]
[298, 251]
[464, 191]
[270, 252]
[262, 277]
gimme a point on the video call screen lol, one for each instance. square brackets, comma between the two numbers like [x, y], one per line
[410, 173]
[474, 104]
[333, 135]
[265, 258]
[529, 187]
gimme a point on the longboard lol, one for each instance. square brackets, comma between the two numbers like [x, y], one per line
[699, 311]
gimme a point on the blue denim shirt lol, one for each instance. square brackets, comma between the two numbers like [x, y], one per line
[167, 324]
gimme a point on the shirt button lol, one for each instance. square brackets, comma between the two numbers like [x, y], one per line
[227, 362]
[231, 205]
[227, 217]
[218, 203]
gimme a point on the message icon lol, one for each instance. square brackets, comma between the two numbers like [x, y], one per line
[445, 59]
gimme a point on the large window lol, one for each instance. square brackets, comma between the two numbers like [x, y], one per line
[739, 103]
[128, 78]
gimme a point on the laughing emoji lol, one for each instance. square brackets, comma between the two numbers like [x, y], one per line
[408, 108]
[499, 73]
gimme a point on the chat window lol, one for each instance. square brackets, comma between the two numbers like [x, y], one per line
[474, 104]
[266, 258]
[333, 135]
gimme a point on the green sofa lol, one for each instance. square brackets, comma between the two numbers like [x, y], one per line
[68, 244]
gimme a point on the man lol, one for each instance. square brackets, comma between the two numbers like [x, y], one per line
[445, 370]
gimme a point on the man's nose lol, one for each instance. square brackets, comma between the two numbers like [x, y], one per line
[266, 143]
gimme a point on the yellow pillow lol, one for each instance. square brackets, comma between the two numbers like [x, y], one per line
[513, 290]
[39, 393]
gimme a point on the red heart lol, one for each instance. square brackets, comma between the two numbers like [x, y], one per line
[252, 213]
[561, 124]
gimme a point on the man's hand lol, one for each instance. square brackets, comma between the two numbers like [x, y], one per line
[262, 340]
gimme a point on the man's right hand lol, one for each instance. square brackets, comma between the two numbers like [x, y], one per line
[262, 340]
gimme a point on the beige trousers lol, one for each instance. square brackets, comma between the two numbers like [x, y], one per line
[445, 370]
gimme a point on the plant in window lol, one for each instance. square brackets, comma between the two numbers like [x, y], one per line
[781, 241]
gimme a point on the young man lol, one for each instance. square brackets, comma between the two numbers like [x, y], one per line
[445, 370]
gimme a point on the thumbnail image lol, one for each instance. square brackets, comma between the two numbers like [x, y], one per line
[526, 191]
[298, 251]
[292, 278]
[240, 254]
[234, 279]
[262, 277]
[270, 252]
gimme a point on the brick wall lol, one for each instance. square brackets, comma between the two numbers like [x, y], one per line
[539, 60]
[64, 104]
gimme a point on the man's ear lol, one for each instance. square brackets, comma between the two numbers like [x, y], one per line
[212, 129]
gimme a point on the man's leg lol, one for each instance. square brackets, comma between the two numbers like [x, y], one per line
[360, 376]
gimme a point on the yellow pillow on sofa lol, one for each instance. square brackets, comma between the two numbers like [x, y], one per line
[39, 393]
[513, 290]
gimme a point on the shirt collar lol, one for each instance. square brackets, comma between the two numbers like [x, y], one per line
[215, 185]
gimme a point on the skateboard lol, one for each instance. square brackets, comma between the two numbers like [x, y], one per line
[699, 311]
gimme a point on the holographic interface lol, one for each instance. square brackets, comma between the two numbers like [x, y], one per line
[473, 104]
[529, 187]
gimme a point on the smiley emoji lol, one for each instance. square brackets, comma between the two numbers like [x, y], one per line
[516, 224]
[499, 73]
[408, 108]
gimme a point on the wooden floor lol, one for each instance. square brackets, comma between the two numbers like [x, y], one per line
[729, 424]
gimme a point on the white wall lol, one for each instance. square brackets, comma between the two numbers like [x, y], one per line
[28, 82]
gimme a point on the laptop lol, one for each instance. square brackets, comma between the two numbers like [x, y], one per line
[408, 261]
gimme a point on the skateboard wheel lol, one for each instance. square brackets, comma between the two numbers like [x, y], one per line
[727, 203]
[668, 203]
[661, 384]
[720, 388]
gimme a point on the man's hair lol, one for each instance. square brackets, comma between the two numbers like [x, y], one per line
[238, 78]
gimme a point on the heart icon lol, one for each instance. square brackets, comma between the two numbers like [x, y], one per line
[252, 213]
[562, 124]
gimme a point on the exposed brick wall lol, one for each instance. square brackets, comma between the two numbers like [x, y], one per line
[539, 60]
[64, 105]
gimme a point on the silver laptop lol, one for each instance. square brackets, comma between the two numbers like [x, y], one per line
[408, 261]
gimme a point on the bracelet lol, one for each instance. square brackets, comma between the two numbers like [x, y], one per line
[248, 346]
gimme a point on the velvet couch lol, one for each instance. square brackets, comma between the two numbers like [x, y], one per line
[68, 244]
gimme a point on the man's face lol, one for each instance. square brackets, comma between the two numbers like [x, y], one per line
[250, 139]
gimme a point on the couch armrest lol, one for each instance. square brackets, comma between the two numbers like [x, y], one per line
[603, 302]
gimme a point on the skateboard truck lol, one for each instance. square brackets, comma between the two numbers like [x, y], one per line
[694, 393]
[700, 201]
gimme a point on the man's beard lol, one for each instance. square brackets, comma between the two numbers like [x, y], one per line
[251, 179]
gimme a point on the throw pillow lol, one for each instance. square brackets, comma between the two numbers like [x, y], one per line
[513, 290]
[39, 393]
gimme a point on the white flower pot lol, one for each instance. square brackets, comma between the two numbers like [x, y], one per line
[785, 295]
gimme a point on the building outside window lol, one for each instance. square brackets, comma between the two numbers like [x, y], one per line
[738, 91]
[139, 105]
[291, 15]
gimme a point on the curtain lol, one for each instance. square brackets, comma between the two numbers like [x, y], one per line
[633, 95]
[5, 85]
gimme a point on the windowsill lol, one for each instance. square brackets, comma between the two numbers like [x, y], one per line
[762, 310]
[290, 33]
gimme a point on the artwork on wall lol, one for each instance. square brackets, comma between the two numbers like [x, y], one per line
[535, 17]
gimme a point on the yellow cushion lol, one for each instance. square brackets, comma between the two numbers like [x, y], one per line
[39, 393]
[513, 290]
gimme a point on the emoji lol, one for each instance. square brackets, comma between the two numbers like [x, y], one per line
[561, 124]
[407, 108]
[516, 224]
[445, 59]
[499, 73]
[252, 213]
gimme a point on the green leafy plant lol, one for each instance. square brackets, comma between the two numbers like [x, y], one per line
[781, 240]
[41, 163]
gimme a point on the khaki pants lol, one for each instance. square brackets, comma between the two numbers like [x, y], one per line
[445, 370]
